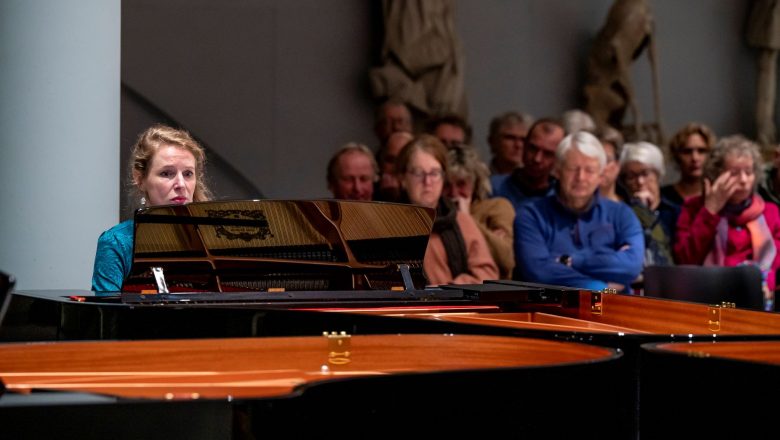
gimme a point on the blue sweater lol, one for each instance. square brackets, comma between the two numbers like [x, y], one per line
[605, 243]
[509, 187]
[113, 258]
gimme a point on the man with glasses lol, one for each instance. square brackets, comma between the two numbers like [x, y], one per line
[575, 237]
[534, 179]
[506, 139]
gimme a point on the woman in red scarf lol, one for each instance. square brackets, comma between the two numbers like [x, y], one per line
[731, 224]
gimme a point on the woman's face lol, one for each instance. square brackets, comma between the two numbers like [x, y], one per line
[424, 179]
[692, 156]
[171, 178]
[741, 167]
[461, 187]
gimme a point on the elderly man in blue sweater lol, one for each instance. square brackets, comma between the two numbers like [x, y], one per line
[574, 237]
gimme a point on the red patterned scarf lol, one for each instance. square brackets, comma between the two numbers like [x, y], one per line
[752, 218]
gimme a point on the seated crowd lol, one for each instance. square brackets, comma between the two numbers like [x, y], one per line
[562, 201]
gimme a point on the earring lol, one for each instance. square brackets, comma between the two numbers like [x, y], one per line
[143, 201]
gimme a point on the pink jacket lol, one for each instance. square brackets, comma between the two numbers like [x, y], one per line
[696, 229]
[481, 264]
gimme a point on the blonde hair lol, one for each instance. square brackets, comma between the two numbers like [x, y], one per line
[465, 163]
[156, 137]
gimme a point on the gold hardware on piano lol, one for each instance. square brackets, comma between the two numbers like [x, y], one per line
[596, 306]
[713, 313]
[339, 344]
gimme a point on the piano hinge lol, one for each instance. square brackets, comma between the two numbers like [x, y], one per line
[713, 318]
[159, 279]
[596, 305]
[339, 344]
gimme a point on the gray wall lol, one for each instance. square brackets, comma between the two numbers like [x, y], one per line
[273, 87]
[59, 137]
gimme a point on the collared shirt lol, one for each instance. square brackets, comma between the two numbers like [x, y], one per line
[511, 187]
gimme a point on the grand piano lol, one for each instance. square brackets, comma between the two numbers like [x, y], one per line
[300, 268]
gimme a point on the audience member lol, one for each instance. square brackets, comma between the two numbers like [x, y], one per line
[730, 224]
[167, 168]
[469, 190]
[352, 172]
[690, 148]
[642, 168]
[769, 187]
[452, 130]
[388, 189]
[575, 237]
[457, 251]
[534, 179]
[612, 141]
[506, 139]
[577, 120]
[392, 116]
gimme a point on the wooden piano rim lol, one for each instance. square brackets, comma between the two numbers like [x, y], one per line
[766, 352]
[267, 367]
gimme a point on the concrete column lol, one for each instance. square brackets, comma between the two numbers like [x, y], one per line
[59, 137]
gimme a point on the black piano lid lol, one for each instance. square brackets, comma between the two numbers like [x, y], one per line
[6, 284]
[279, 245]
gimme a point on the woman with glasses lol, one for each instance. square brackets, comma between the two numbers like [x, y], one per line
[731, 224]
[690, 148]
[457, 251]
[642, 168]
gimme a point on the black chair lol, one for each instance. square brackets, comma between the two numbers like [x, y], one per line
[740, 285]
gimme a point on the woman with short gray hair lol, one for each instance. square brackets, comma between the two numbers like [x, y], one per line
[642, 168]
[730, 224]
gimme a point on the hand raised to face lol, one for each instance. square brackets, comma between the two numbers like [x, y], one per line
[718, 193]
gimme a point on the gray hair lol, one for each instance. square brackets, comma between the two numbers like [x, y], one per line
[586, 144]
[644, 153]
[349, 148]
[736, 145]
[577, 120]
[465, 163]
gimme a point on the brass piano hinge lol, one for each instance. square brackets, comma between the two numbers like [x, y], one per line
[596, 306]
[713, 318]
[338, 347]
[697, 354]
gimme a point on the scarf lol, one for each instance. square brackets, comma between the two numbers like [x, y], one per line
[451, 237]
[751, 216]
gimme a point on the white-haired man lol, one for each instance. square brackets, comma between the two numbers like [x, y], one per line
[574, 237]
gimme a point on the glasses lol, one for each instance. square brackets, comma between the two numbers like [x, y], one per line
[588, 171]
[512, 138]
[434, 175]
[635, 176]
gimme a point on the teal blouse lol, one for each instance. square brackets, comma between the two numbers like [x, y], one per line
[113, 258]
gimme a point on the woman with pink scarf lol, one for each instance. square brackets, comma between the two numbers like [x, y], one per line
[730, 224]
